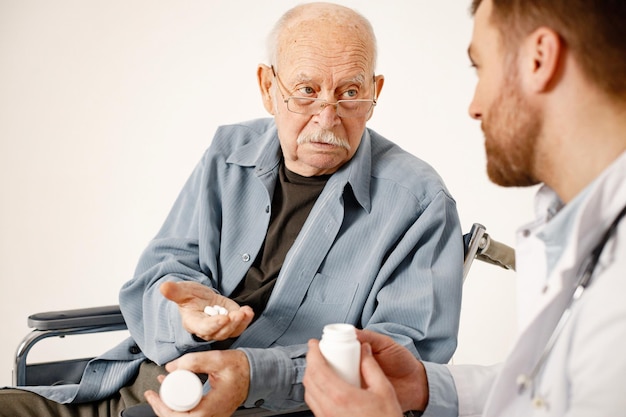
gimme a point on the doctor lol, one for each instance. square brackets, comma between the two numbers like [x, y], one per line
[551, 98]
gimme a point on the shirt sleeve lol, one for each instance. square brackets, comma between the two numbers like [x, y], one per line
[442, 396]
[275, 377]
[419, 303]
[154, 321]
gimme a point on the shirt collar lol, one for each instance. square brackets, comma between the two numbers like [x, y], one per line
[583, 218]
[358, 172]
[265, 155]
[560, 221]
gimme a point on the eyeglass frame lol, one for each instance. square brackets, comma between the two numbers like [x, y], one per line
[324, 103]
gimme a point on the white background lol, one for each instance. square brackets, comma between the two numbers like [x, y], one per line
[106, 106]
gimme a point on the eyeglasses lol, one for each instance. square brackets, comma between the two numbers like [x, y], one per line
[314, 106]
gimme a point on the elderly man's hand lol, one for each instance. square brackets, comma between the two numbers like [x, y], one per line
[193, 297]
[229, 376]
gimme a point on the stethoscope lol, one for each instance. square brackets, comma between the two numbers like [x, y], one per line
[526, 381]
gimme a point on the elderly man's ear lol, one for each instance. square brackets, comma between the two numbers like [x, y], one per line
[265, 78]
[379, 80]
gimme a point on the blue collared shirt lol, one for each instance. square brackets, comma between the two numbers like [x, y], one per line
[381, 249]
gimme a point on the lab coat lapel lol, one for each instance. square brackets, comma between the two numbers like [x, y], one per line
[524, 356]
[601, 203]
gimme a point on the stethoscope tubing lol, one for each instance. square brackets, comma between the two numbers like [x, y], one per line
[527, 381]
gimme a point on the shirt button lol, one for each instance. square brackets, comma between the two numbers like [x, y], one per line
[526, 233]
[134, 349]
[267, 209]
[245, 257]
[259, 403]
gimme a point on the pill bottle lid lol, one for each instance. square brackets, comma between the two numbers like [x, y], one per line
[339, 331]
[181, 390]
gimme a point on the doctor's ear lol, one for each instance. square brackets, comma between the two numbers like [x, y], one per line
[542, 53]
[265, 79]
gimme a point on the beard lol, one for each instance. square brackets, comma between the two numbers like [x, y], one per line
[323, 136]
[512, 129]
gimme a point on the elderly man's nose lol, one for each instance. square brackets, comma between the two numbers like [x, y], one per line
[328, 117]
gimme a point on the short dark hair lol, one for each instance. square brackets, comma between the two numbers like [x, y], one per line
[594, 31]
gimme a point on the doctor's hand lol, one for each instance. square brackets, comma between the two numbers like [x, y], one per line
[406, 373]
[229, 377]
[193, 297]
[327, 395]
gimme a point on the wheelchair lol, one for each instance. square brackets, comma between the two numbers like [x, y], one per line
[477, 243]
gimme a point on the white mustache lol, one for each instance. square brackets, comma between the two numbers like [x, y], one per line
[323, 136]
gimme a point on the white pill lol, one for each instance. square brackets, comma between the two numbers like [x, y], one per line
[181, 390]
[215, 310]
[211, 311]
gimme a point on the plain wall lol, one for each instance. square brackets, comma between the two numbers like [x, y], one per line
[106, 106]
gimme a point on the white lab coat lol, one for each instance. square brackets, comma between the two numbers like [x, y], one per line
[585, 373]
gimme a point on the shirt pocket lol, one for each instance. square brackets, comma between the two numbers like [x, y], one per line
[328, 300]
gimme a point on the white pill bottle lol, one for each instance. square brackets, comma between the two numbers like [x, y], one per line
[342, 351]
[181, 390]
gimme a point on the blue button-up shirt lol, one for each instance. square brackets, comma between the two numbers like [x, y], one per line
[381, 249]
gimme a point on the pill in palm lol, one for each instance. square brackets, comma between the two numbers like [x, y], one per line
[215, 310]
[210, 311]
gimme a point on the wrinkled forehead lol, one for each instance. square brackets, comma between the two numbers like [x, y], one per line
[326, 39]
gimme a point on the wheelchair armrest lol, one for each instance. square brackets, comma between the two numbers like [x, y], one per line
[60, 324]
[479, 245]
[496, 253]
[84, 317]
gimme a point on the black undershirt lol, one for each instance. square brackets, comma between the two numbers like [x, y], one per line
[292, 202]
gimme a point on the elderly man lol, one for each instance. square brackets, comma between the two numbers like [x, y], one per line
[290, 223]
[551, 97]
